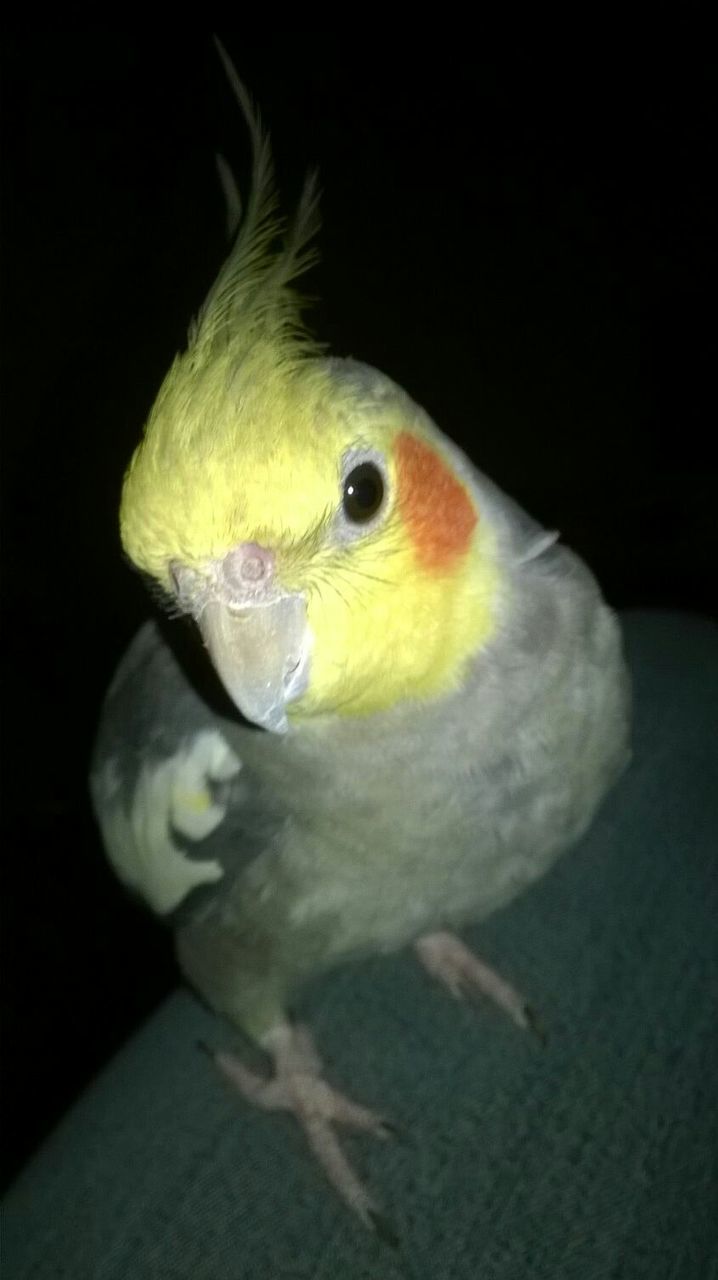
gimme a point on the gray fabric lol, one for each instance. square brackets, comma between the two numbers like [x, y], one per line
[592, 1157]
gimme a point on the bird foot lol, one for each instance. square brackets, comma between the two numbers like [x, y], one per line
[445, 957]
[297, 1086]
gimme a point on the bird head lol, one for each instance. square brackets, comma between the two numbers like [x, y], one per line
[326, 537]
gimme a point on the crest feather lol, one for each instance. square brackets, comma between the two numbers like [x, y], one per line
[251, 300]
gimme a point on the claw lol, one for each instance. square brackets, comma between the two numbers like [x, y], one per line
[387, 1129]
[470, 978]
[297, 1086]
[384, 1229]
[535, 1025]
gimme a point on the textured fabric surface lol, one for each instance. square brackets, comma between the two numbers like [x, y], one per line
[592, 1157]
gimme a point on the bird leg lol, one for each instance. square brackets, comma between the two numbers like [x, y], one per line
[297, 1086]
[445, 957]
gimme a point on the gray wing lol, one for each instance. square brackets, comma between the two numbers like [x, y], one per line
[180, 814]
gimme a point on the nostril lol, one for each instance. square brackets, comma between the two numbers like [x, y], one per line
[253, 568]
[247, 564]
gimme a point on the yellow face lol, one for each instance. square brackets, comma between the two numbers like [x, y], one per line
[351, 494]
[406, 604]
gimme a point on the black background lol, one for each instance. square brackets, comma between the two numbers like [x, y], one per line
[521, 234]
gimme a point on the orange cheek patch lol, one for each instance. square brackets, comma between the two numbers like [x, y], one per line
[434, 506]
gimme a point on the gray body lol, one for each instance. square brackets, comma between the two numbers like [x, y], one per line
[351, 835]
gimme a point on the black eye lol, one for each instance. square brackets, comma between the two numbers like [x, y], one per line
[363, 493]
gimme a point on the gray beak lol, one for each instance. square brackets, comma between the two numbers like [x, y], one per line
[256, 631]
[261, 654]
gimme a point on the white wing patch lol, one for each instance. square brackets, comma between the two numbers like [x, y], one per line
[172, 794]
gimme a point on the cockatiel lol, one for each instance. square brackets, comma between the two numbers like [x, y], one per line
[427, 693]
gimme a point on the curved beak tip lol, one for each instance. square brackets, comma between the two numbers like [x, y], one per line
[261, 654]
